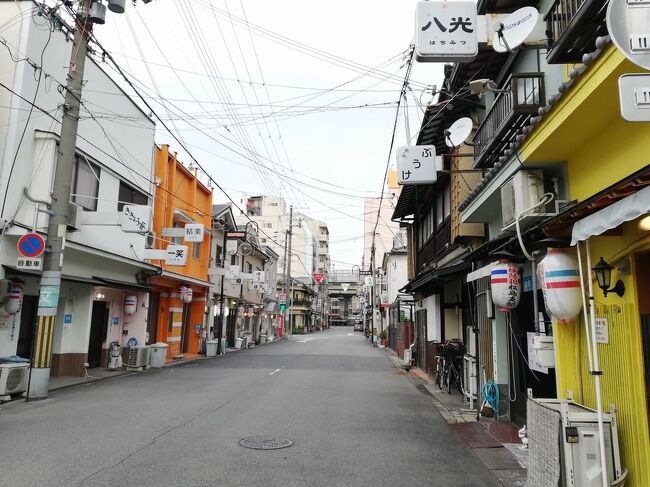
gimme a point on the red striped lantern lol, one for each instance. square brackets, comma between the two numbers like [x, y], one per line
[560, 283]
[505, 283]
[15, 300]
[130, 304]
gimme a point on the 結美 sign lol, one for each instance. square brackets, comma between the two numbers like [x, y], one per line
[446, 31]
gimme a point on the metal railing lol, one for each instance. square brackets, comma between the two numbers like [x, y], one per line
[522, 97]
[572, 27]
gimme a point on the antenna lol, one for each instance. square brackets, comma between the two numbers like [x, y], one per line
[460, 130]
[515, 29]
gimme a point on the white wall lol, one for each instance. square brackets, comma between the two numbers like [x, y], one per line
[434, 319]
[130, 142]
[75, 299]
[397, 274]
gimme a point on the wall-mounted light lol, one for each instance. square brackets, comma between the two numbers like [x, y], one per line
[644, 223]
[99, 296]
[604, 277]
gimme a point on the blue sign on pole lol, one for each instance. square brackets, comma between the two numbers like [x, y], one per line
[67, 319]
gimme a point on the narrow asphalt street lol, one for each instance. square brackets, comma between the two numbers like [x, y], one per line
[354, 419]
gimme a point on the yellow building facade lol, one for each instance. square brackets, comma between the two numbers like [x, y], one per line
[606, 159]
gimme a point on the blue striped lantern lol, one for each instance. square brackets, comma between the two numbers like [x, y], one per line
[505, 283]
[560, 283]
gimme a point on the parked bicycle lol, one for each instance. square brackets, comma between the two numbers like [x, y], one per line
[449, 367]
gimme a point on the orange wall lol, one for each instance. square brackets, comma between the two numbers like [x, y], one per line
[179, 189]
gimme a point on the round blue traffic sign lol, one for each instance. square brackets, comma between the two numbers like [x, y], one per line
[31, 245]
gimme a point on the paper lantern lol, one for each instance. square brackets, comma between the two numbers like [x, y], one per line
[185, 294]
[560, 283]
[130, 304]
[506, 286]
[15, 300]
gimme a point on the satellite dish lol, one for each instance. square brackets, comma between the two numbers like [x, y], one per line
[459, 131]
[515, 29]
[246, 248]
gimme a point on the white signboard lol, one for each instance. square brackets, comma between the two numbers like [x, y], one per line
[258, 277]
[602, 330]
[231, 247]
[416, 164]
[232, 272]
[136, 219]
[634, 93]
[446, 31]
[27, 263]
[176, 255]
[193, 232]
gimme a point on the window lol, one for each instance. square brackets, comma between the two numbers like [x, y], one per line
[177, 240]
[249, 267]
[263, 240]
[196, 250]
[219, 256]
[85, 183]
[127, 195]
[440, 197]
[234, 260]
[268, 225]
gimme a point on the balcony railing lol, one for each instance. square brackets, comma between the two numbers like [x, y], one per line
[572, 28]
[522, 98]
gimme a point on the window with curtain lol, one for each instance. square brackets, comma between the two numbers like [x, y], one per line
[128, 195]
[85, 183]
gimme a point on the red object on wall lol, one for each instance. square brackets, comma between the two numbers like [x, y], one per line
[281, 325]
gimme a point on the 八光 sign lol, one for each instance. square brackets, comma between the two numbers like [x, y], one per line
[446, 31]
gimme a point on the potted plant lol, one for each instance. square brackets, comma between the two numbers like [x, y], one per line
[383, 336]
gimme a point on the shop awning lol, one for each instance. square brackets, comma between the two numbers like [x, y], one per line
[21, 272]
[128, 286]
[622, 211]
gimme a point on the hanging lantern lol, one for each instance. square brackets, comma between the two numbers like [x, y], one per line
[130, 304]
[560, 283]
[185, 294]
[506, 286]
[15, 300]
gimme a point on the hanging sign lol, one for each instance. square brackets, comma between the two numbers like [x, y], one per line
[231, 247]
[136, 219]
[258, 277]
[416, 164]
[446, 31]
[31, 245]
[232, 272]
[176, 255]
[193, 232]
[282, 298]
[318, 277]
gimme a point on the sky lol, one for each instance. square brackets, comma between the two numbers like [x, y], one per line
[288, 97]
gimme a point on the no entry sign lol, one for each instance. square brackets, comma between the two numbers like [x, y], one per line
[31, 245]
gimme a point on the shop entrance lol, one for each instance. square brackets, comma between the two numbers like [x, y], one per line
[98, 329]
[152, 318]
[421, 338]
[185, 331]
[27, 324]
[642, 272]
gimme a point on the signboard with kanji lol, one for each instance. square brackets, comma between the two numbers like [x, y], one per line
[33, 263]
[416, 164]
[193, 232]
[446, 31]
[282, 298]
[232, 272]
[176, 255]
[258, 277]
[318, 277]
[136, 219]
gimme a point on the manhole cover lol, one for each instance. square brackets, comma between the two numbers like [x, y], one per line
[265, 443]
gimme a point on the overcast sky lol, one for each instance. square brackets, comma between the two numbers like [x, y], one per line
[274, 108]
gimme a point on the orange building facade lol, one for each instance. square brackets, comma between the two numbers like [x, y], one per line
[180, 200]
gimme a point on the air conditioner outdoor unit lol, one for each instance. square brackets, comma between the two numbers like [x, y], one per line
[74, 216]
[579, 444]
[522, 191]
[469, 371]
[13, 378]
[138, 357]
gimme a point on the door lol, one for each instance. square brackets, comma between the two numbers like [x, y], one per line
[185, 331]
[421, 338]
[98, 329]
[27, 324]
[152, 317]
[230, 327]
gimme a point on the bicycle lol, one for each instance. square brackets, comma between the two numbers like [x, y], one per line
[456, 374]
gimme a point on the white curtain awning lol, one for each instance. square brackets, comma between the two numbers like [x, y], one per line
[624, 210]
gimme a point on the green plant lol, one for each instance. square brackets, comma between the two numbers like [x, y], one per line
[383, 335]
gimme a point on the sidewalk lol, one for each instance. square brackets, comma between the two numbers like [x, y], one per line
[496, 444]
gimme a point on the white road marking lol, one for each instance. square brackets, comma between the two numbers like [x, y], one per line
[350, 334]
[276, 370]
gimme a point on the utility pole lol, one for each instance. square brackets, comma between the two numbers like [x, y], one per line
[50, 284]
[372, 292]
[287, 276]
[223, 275]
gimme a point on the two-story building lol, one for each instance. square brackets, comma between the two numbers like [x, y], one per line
[113, 168]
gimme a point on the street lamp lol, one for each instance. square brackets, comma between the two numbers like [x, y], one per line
[604, 277]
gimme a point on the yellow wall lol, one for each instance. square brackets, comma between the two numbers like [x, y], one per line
[586, 131]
